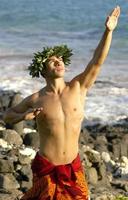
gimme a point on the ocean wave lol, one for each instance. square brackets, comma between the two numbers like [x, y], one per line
[6, 55]
[119, 91]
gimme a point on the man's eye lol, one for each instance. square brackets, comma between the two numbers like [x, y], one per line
[51, 61]
[61, 59]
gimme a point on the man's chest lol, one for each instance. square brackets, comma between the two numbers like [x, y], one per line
[55, 107]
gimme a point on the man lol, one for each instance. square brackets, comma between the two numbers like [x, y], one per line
[58, 109]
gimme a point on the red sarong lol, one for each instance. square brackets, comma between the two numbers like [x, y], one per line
[57, 182]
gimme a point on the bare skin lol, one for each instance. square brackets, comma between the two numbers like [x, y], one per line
[59, 107]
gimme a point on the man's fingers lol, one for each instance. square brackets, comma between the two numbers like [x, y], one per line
[37, 111]
[118, 11]
[115, 12]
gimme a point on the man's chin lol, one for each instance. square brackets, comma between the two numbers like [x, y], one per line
[59, 74]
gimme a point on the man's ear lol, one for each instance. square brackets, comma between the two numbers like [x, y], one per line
[43, 73]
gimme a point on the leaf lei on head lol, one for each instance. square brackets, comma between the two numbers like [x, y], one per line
[40, 58]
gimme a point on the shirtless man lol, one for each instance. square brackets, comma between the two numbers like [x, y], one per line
[59, 106]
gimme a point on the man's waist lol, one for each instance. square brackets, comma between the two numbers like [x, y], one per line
[42, 166]
[59, 156]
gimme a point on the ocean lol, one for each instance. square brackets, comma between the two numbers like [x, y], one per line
[28, 26]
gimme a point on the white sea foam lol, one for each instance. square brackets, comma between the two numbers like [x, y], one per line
[118, 91]
[107, 104]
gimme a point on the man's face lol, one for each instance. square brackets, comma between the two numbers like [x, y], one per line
[55, 67]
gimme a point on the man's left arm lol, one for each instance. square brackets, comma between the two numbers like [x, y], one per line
[88, 77]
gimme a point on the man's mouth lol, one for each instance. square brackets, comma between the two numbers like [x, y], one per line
[59, 68]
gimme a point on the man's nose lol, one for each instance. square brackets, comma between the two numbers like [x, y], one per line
[57, 62]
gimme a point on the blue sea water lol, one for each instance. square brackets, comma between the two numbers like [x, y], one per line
[28, 25]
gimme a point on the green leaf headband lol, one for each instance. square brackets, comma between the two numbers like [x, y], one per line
[38, 63]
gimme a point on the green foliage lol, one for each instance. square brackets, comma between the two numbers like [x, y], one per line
[121, 198]
[40, 58]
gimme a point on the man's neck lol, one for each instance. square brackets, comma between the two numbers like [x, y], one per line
[55, 86]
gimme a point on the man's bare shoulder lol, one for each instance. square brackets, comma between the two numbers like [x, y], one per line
[73, 84]
[33, 97]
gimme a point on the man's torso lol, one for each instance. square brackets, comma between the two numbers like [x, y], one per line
[59, 123]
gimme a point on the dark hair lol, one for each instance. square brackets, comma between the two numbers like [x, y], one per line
[39, 61]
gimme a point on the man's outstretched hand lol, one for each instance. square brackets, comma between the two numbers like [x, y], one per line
[32, 113]
[112, 19]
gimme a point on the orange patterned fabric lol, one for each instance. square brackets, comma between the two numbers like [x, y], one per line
[57, 182]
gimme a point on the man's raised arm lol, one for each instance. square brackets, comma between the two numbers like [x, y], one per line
[88, 77]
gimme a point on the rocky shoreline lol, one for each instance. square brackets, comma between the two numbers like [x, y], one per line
[103, 151]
